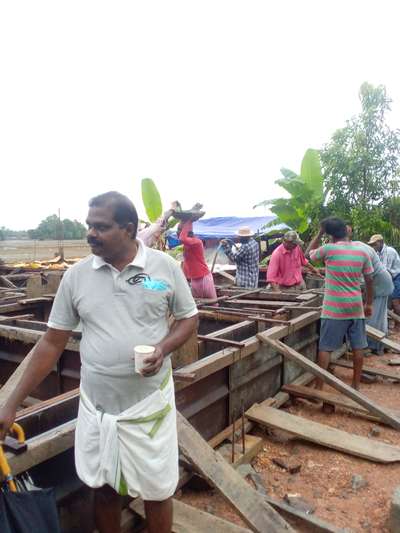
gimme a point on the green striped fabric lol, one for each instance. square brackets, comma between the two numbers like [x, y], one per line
[346, 263]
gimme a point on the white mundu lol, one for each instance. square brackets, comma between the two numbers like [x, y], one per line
[135, 452]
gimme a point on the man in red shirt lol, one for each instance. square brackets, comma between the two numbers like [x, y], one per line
[194, 263]
[286, 264]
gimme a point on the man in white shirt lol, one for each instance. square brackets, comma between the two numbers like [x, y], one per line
[391, 261]
[123, 294]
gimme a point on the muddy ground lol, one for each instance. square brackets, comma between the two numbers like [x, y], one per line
[325, 477]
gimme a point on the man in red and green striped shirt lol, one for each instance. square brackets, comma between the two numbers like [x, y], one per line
[343, 310]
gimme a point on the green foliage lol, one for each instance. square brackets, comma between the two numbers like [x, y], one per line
[151, 199]
[374, 220]
[176, 252]
[50, 228]
[306, 202]
[6, 233]
[361, 162]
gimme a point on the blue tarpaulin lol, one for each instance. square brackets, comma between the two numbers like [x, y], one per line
[226, 227]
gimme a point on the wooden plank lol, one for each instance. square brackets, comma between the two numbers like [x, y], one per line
[305, 297]
[7, 283]
[210, 364]
[11, 308]
[239, 310]
[188, 519]
[391, 345]
[31, 336]
[305, 307]
[12, 381]
[187, 353]
[263, 312]
[250, 505]
[332, 380]
[214, 314]
[330, 437]
[380, 336]
[8, 319]
[372, 371]
[40, 405]
[308, 393]
[12, 298]
[34, 286]
[43, 447]
[374, 333]
[315, 524]
[233, 328]
[225, 275]
[36, 300]
[218, 360]
[268, 320]
[277, 401]
[253, 445]
[241, 294]
[393, 315]
[263, 294]
[184, 377]
[279, 332]
[227, 342]
[263, 303]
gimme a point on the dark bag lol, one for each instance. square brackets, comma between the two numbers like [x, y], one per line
[31, 511]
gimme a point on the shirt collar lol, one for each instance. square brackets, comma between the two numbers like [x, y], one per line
[139, 260]
[382, 251]
[286, 251]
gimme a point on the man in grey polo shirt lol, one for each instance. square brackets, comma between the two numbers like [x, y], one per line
[122, 295]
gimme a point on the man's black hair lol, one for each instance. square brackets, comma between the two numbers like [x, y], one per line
[335, 227]
[124, 212]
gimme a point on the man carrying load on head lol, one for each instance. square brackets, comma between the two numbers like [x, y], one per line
[194, 263]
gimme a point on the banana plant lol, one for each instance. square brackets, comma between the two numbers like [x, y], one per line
[154, 208]
[307, 196]
[151, 200]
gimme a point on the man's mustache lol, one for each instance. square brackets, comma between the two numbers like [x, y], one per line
[93, 242]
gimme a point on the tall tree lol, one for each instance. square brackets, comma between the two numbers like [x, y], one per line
[361, 162]
[50, 229]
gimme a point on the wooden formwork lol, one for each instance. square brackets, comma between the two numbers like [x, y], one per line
[214, 385]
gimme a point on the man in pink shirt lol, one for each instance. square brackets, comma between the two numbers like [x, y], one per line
[286, 264]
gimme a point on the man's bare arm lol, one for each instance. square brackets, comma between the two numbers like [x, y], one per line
[315, 242]
[369, 285]
[314, 270]
[46, 353]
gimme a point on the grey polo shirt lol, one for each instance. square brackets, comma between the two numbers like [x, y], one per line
[117, 311]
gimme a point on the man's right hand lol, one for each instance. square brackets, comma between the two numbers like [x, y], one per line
[368, 310]
[7, 418]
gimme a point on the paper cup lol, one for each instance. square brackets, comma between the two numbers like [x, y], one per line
[142, 352]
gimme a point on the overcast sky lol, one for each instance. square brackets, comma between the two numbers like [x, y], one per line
[208, 98]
